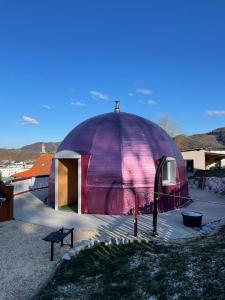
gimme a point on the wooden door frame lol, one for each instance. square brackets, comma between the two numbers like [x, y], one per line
[71, 155]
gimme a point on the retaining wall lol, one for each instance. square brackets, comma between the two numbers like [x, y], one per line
[23, 185]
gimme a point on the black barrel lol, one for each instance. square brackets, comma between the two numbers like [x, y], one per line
[192, 218]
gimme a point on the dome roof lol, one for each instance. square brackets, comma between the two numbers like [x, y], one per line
[123, 147]
[116, 156]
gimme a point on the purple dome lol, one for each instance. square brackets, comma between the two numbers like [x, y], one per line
[120, 154]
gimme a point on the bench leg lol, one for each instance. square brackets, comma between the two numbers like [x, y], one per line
[62, 239]
[52, 251]
[71, 245]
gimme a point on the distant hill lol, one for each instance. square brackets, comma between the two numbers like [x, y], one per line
[185, 142]
[17, 155]
[28, 152]
[36, 147]
[219, 134]
[213, 139]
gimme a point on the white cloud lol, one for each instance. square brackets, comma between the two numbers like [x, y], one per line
[144, 91]
[29, 121]
[131, 94]
[215, 113]
[152, 102]
[46, 106]
[99, 95]
[78, 103]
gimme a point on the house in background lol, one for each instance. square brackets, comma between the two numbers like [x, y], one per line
[13, 168]
[35, 178]
[204, 158]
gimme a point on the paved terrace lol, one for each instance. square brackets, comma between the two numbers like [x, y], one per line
[29, 208]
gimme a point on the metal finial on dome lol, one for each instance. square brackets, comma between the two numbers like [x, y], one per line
[117, 106]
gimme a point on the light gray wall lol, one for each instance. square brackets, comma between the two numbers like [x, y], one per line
[197, 156]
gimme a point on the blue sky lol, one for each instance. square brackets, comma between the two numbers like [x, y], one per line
[62, 62]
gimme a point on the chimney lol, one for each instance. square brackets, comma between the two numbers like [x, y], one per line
[117, 106]
[43, 148]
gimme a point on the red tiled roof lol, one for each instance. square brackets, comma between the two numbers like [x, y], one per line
[41, 167]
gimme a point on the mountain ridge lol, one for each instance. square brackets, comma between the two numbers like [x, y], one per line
[212, 139]
[28, 152]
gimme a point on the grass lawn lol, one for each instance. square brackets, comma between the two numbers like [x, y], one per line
[190, 270]
[70, 207]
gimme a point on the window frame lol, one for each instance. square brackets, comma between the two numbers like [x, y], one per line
[169, 172]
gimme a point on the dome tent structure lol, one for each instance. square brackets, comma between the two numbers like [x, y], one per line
[108, 159]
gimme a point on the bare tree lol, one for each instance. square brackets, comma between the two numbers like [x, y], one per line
[169, 125]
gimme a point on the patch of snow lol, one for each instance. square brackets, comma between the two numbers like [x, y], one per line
[219, 224]
[152, 298]
[154, 270]
[208, 228]
[135, 261]
[176, 296]
[68, 288]
[72, 252]
[66, 256]
[177, 284]
[151, 254]
[189, 274]
[118, 284]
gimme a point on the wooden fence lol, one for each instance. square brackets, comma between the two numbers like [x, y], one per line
[6, 208]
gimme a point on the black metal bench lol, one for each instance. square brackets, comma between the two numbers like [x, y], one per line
[58, 236]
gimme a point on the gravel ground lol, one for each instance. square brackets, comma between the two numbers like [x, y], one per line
[25, 258]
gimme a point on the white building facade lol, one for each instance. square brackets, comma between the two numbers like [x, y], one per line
[15, 168]
[204, 159]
